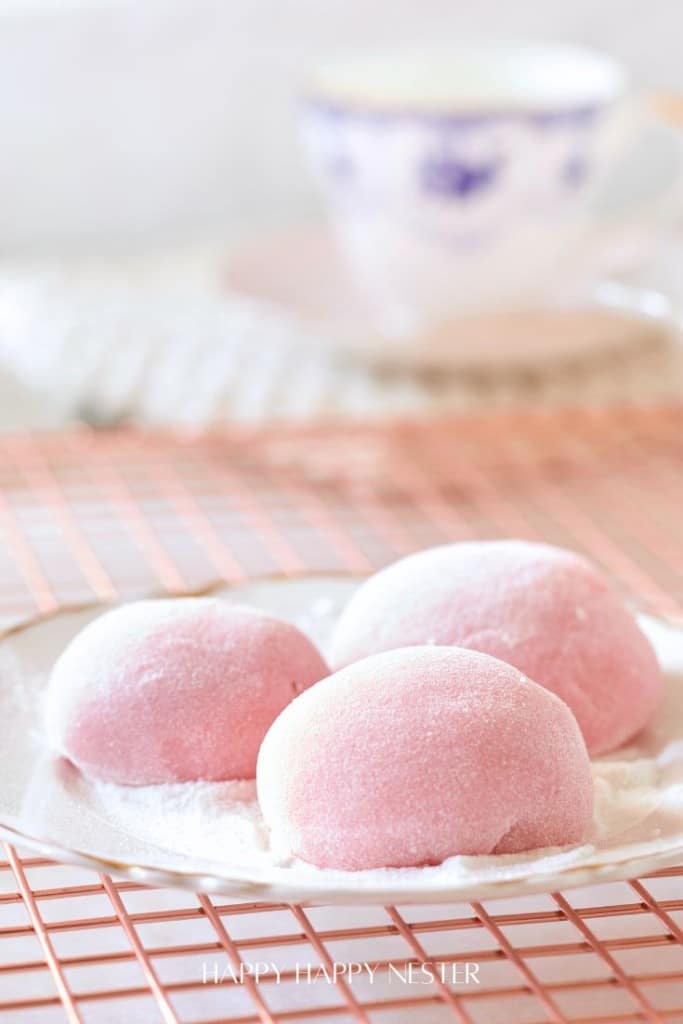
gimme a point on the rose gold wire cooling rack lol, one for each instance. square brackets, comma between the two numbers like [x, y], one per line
[88, 516]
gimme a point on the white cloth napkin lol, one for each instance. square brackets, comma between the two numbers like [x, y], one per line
[162, 342]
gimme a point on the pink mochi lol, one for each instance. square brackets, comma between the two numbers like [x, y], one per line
[545, 610]
[175, 690]
[411, 756]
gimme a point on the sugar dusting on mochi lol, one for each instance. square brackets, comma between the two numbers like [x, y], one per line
[543, 609]
[411, 756]
[175, 690]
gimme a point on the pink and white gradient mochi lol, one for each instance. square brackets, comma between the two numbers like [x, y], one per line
[175, 690]
[546, 611]
[414, 755]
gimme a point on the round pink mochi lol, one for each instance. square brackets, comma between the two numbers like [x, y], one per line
[174, 690]
[412, 756]
[545, 610]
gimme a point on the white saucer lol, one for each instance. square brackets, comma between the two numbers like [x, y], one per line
[177, 838]
[299, 275]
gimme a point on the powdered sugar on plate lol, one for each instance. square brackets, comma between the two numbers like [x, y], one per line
[635, 798]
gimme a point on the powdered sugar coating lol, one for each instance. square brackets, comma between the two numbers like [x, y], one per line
[411, 756]
[175, 690]
[545, 610]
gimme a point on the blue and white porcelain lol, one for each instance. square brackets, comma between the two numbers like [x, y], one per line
[460, 180]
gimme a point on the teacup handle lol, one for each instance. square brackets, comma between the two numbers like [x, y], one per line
[619, 241]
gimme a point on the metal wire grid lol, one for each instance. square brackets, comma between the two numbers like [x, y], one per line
[88, 516]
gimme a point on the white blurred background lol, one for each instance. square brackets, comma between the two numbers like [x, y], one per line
[132, 128]
[146, 120]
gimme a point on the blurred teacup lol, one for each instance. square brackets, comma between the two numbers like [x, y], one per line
[460, 180]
